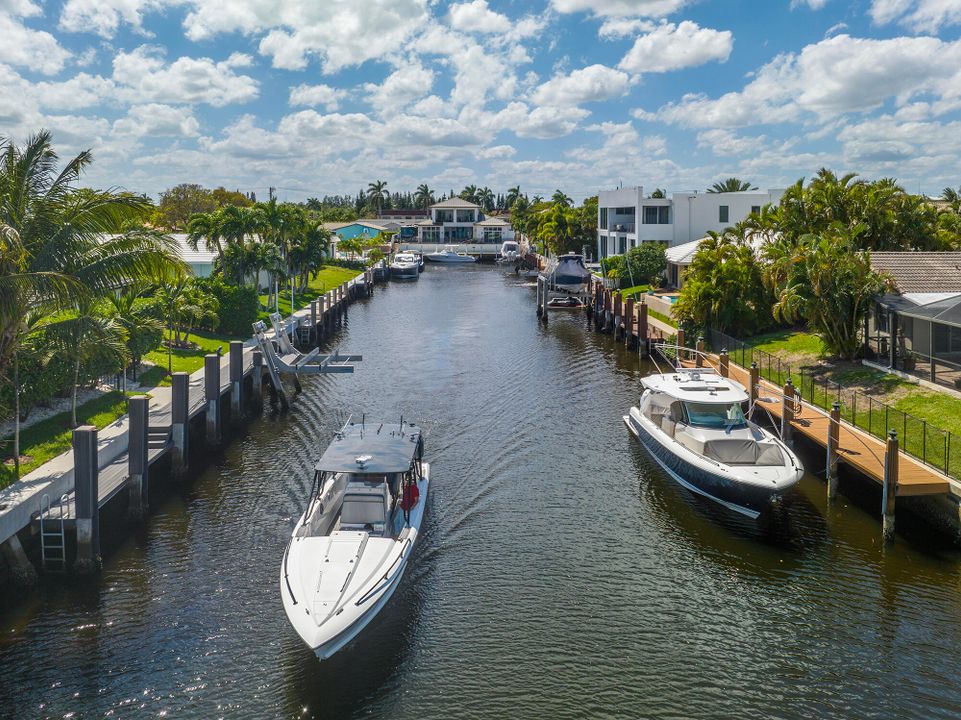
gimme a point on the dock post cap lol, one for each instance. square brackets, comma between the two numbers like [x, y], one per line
[836, 406]
[754, 364]
[893, 435]
[86, 428]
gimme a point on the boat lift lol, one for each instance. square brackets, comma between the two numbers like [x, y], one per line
[281, 357]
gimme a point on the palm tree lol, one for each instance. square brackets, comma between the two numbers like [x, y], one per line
[377, 191]
[536, 199]
[658, 194]
[143, 328]
[485, 198]
[730, 185]
[58, 250]
[424, 197]
[512, 195]
[953, 197]
[206, 227]
[559, 198]
[469, 193]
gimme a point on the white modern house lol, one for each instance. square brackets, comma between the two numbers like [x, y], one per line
[456, 222]
[626, 217]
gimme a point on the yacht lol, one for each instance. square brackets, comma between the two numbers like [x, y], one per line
[349, 549]
[404, 267]
[692, 423]
[449, 255]
[569, 274]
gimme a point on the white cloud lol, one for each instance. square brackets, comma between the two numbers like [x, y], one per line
[637, 8]
[186, 80]
[926, 16]
[542, 123]
[34, 49]
[726, 143]
[406, 84]
[340, 34]
[835, 76]
[104, 17]
[618, 27]
[591, 84]
[317, 95]
[497, 151]
[477, 16]
[157, 120]
[80, 91]
[813, 4]
[672, 47]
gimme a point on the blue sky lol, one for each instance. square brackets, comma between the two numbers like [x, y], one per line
[323, 96]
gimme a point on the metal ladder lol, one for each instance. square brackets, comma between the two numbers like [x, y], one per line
[53, 546]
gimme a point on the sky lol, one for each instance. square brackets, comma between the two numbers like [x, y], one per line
[318, 97]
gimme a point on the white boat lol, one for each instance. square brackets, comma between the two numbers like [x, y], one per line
[349, 549]
[568, 273]
[510, 252]
[692, 423]
[449, 255]
[404, 267]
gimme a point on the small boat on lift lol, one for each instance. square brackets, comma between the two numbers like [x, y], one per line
[510, 252]
[567, 302]
[348, 551]
[691, 422]
[450, 256]
[404, 267]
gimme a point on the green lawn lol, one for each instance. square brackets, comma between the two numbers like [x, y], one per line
[48, 438]
[634, 291]
[328, 278]
[662, 317]
[183, 360]
[790, 344]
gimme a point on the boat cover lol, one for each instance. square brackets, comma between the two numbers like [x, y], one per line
[570, 270]
[383, 447]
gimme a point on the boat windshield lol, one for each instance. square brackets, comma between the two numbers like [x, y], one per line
[714, 415]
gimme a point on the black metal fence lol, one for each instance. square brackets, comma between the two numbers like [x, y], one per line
[940, 449]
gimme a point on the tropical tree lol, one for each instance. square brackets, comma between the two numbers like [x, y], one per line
[137, 316]
[207, 227]
[730, 185]
[831, 285]
[537, 199]
[469, 193]
[513, 195]
[485, 198]
[182, 202]
[62, 247]
[658, 194]
[424, 197]
[188, 306]
[559, 198]
[723, 288]
[377, 192]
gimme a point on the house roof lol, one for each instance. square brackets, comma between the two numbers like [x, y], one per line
[682, 254]
[335, 226]
[492, 222]
[200, 256]
[455, 202]
[921, 272]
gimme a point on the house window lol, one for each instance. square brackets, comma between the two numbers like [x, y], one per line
[430, 234]
[603, 222]
[624, 211]
[465, 216]
[723, 213]
[622, 244]
[657, 215]
[755, 209]
[492, 235]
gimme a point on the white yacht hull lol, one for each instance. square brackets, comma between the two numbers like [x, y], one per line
[360, 599]
[729, 486]
[404, 272]
[450, 259]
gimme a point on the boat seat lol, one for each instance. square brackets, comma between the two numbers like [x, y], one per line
[743, 452]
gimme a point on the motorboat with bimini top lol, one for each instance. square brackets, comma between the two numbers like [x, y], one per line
[692, 423]
[569, 274]
[449, 255]
[404, 267]
[349, 549]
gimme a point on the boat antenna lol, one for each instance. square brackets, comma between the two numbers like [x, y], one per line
[363, 421]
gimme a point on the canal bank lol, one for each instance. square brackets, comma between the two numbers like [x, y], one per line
[53, 512]
[562, 574]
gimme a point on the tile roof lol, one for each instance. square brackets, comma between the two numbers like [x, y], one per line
[921, 272]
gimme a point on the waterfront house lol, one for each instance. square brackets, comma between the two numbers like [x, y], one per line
[626, 217]
[916, 327]
[456, 221]
[361, 229]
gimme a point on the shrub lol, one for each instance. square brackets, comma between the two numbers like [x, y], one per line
[238, 306]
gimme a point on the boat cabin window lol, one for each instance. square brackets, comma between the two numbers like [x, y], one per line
[714, 415]
[359, 511]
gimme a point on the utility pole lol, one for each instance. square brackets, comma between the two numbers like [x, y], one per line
[270, 193]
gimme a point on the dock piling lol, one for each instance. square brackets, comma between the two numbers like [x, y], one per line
[679, 341]
[724, 363]
[629, 325]
[86, 471]
[834, 439]
[257, 378]
[643, 333]
[212, 397]
[890, 487]
[787, 413]
[179, 418]
[754, 382]
[22, 570]
[313, 321]
[138, 408]
[699, 357]
[236, 369]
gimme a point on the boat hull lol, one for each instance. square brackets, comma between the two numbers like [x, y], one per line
[744, 498]
[448, 260]
[411, 272]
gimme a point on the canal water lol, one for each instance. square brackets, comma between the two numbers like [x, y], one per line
[561, 575]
